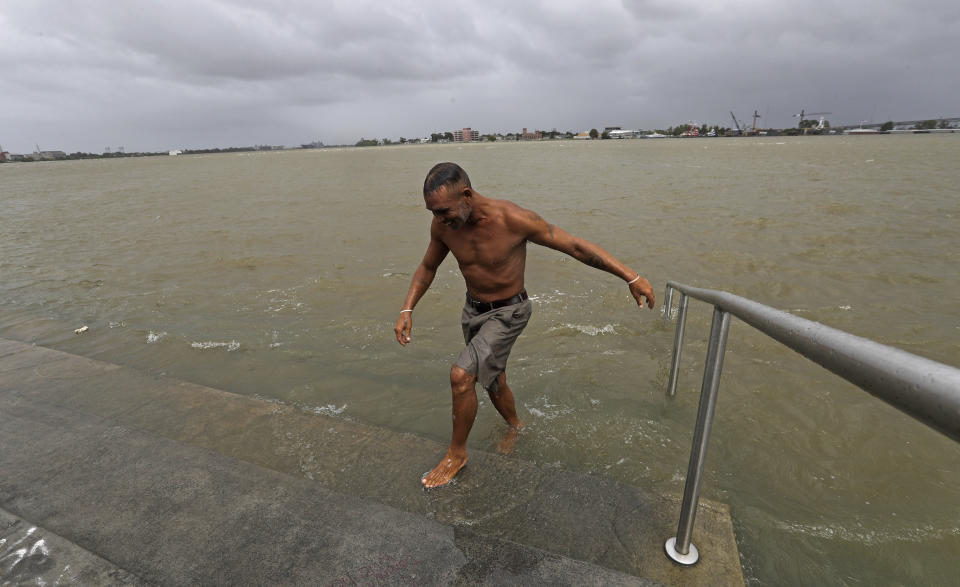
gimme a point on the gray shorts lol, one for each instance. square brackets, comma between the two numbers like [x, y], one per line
[489, 337]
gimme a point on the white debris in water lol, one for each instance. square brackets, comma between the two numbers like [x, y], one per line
[845, 308]
[230, 346]
[81, 330]
[153, 337]
[120, 324]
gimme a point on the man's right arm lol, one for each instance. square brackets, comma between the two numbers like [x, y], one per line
[422, 278]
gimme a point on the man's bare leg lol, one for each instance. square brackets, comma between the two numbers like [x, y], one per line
[464, 412]
[503, 401]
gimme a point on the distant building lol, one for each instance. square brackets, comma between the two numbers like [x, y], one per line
[532, 136]
[466, 135]
[3, 155]
[582, 136]
[622, 134]
[49, 155]
[176, 152]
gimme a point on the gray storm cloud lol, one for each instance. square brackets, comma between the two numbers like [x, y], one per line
[153, 76]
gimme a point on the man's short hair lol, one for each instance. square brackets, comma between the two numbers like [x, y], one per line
[445, 174]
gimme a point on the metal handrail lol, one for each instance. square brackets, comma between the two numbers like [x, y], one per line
[927, 390]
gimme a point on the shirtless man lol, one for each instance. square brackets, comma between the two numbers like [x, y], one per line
[489, 238]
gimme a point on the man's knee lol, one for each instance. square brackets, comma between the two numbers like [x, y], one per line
[460, 380]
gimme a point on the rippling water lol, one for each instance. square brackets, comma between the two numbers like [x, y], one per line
[279, 275]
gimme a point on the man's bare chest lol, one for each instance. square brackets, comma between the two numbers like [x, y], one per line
[486, 248]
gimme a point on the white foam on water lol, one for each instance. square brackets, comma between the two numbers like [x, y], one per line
[549, 411]
[284, 299]
[328, 410]
[153, 337]
[276, 339]
[230, 346]
[41, 547]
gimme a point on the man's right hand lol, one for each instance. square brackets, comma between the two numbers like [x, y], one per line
[403, 327]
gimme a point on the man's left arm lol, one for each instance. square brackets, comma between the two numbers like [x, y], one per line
[554, 237]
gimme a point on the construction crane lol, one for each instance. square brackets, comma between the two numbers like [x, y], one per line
[756, 115]
[805, 114]
[736, 124]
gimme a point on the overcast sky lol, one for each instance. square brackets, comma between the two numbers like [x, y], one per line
[152, 76]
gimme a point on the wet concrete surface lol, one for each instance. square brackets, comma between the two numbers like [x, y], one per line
[180, 483]
[33, 555]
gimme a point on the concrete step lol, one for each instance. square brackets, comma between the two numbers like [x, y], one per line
[149, 452]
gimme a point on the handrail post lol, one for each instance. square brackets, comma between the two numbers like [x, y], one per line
[667, 301]
[677, 343]
[680, 548]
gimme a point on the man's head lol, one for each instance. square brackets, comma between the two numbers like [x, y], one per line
[445, 174]
[448, 194]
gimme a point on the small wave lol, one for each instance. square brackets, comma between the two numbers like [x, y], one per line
[864, 536]
[586, 329]
[548, 298]
[230, 346]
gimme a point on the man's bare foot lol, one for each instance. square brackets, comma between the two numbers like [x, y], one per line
[505, 446]
[445, 471]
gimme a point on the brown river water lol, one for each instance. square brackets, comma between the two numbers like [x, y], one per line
[279, 275]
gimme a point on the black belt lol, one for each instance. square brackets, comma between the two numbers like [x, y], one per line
[487, 306]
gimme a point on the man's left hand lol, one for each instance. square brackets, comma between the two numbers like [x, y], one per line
[640, 289]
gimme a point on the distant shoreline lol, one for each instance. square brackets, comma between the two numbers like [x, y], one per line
[43, 158]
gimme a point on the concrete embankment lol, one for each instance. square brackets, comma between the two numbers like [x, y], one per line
[110, 475]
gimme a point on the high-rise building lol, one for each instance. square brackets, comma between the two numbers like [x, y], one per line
[466, 135]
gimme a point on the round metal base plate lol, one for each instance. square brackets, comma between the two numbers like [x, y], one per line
[684, 559]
